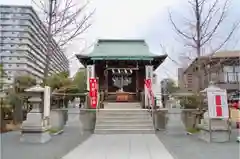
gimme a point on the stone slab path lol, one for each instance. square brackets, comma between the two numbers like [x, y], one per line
[122, 146]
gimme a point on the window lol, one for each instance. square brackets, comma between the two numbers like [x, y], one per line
[9, 65]
[228, 69]
[17, 65]
[237, 68]
[10, 58]
[9, 78]
[231, 73]
[18, 58]
[213, 76]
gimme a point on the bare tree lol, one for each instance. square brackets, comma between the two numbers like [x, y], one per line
[209, 16]
[65, 20]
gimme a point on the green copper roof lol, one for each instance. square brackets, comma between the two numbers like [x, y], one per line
[121, 50]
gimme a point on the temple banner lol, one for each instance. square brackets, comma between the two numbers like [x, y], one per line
[217, 104]
[148, 84]
[93, 92]
[149, 76]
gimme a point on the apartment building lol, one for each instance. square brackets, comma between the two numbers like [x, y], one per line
[222, 68]
[187, 80]
[23, 44]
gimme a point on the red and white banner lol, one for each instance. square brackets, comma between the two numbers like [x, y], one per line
[148, 84]
[93, 92]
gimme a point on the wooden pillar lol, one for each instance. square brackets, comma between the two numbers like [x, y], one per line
[106, 81]
[90, 74]
[137, 83]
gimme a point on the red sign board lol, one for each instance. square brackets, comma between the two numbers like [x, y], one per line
[93, 92]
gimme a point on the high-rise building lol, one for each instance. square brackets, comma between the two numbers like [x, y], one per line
[23, 44]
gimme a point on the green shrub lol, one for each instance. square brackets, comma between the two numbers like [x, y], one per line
[192, 102]
[193, 130]
[53, 131]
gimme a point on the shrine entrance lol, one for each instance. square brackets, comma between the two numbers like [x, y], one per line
[122, 84]
[121, 67]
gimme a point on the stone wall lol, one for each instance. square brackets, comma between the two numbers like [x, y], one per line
[189, 117]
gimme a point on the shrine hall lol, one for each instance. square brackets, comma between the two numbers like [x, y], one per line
[121, 67]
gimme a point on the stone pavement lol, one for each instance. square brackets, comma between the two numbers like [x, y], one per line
[60, 145]
[120, 146]
[183, 146]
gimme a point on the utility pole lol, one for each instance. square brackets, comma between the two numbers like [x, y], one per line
[49, 40]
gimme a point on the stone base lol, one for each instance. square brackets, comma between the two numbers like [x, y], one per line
[57, 119]
[33, 136]
[238, 139]
[220, 135]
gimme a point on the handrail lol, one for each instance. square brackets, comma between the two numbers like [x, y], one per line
[151, 107]
[98, 101]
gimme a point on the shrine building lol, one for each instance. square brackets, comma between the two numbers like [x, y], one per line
[121, 66]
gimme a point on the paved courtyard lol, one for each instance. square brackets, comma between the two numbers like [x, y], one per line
[183, 146]
[60, 145]
[122, 146]
[75, 144]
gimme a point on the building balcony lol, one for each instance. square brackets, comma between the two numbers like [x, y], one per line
[225, 80]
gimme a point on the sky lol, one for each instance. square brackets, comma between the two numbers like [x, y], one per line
[141, 19]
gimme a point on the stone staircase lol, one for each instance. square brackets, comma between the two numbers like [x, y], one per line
[123, 121]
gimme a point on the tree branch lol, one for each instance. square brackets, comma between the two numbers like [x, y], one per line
[177, 29]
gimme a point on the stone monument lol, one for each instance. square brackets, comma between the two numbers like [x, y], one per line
[34, 128]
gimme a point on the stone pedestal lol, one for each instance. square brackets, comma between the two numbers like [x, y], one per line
[57, 121]
[175, 125]
[35, 135]
[160, 119]
[34, 128]
[216, 134]
[214, 130]
[238, 139]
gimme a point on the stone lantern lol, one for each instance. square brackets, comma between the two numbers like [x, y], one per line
[34, 128]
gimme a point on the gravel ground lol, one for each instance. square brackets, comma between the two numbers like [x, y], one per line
[183, 146]
[60, 145]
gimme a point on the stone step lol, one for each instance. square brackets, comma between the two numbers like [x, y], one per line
[140, 116]
[124, 131]
[139, 127]
[123, 118]
[133, 122]
[122, 112]
[149, 123]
